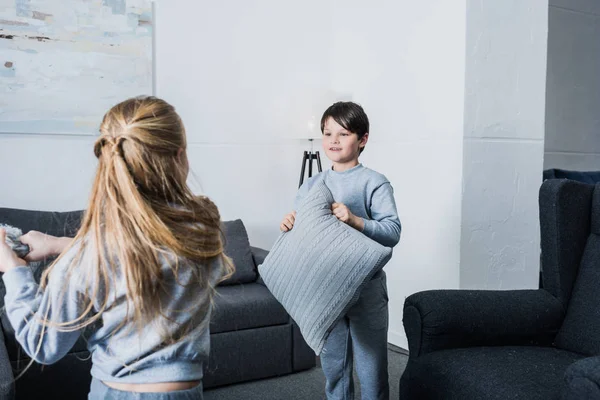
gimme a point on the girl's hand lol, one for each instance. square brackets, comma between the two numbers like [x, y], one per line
[8, 258]
[43, 246]
[341, 211]
[288, 222]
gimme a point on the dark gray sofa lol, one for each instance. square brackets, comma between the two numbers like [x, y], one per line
[518, 344]
[252, 336]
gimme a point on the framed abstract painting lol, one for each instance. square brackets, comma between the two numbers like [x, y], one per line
[63, 63]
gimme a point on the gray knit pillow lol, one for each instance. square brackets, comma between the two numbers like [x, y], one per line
[317, 270]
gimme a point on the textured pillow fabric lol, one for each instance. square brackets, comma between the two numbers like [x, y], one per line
[317, 270]
[237, 246]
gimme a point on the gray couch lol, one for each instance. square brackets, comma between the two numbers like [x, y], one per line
[252, 337]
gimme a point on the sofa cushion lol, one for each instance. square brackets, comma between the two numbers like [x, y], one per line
[582, 380]
[503, 372]
[237, 246]
[317, 269]
[248, 355]
[246, 306]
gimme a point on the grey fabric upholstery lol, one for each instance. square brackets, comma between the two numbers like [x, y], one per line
[580, 330]
[581, 380]
[7, 387]
[511, 372]
[237, 246]
[303, 355]
[52, 223]
[246, 306]
[258, 255]
[239, 356]
[466, 318]
[591, 177]
[523, 344]
[317, 270]
[565, 218]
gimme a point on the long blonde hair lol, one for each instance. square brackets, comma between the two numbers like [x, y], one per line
[140, 213]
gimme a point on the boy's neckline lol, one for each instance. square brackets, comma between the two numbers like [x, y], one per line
[348, 171]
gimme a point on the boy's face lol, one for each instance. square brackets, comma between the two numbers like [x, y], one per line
[340, 145]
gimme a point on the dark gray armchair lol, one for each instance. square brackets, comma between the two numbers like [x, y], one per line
[518, 344]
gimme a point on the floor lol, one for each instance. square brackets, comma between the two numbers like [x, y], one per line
[306, 385]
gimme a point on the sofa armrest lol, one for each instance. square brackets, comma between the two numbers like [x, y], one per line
[582, 380]
[7, 379]
[444, 319]
[258, 255]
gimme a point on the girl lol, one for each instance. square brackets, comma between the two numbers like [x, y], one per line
[140, 273]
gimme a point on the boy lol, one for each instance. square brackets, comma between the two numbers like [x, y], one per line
[365, 201]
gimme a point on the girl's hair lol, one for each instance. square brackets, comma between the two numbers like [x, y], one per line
[141, 216]
[350, 116]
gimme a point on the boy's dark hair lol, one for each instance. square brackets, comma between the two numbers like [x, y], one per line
[349, 115]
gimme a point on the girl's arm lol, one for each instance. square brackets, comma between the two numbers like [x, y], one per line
[43, 245]
[384, 226]
[27, 307]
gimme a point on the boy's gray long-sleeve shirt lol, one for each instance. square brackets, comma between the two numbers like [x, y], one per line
[368, 194]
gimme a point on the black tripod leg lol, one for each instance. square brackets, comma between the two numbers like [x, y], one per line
[303, 167]
[319, 161]
[310, 159]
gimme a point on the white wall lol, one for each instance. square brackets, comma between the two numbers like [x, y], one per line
[504, 143]
[46, 172]
[404, 62]
[256, 74]
[573, 86]
[246, 77]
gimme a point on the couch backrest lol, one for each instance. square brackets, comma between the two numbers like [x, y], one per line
[50, 222]
[580, 331]
[591, 177]
[565, 216]
[237, 245]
